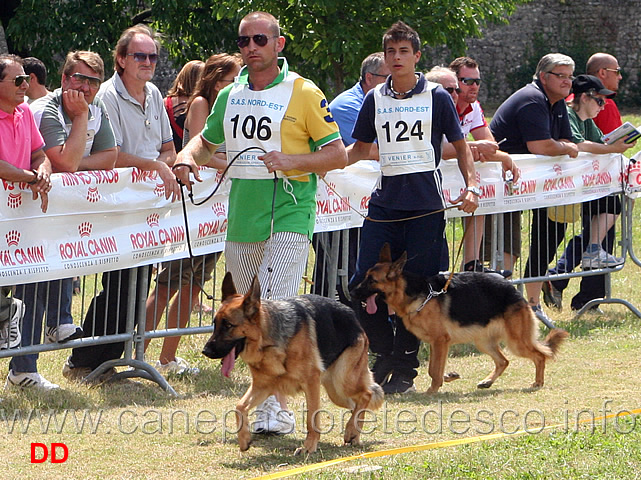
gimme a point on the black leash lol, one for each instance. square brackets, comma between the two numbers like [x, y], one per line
[197, 204]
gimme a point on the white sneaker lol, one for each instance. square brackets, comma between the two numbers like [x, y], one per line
[29, 380]
[270, 418]
[177, 367]
[10, 328]
[596, 257]
[62, 333]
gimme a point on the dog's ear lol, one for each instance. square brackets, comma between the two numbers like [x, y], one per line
[385, 256]
[228, 287]
[397, 267]
[251, 302]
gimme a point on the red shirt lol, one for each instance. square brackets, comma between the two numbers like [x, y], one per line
[609, 118]
[19, 137]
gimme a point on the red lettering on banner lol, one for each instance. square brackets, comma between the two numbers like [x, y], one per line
[138, 176]
[207, 229]
[6, 259]
[594, 179]
[364, 205]
[332, 205]
[525, 187]
[561, 183]
[447, 195]
[30, 255]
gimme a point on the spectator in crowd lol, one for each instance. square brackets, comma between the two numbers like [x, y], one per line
[177, 276]
[411, 193]
[270, 224]
[37, 79]
[178, 96]
[77, 136]
[345, 108]
[462, 81]
[535, 120]
[144, 140]
[606, 68]
[22, 160]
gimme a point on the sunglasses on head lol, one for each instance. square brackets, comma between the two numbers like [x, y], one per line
[259, 39]
[142, 57]
[451, 90]
[470, 81]
[93, 82]
[18, 80]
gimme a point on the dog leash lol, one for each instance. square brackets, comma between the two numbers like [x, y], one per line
[197, 204]
[458, 253]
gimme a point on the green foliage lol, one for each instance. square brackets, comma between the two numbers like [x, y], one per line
[326, 41]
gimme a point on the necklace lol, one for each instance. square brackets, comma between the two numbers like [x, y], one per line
[398, 94]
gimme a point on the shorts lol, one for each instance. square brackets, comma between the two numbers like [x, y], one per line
[177, 273]
[511, 235]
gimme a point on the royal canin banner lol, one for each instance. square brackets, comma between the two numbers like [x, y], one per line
[109, 220]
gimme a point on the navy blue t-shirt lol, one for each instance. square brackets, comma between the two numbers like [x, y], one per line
[527, 116]
[414, 191]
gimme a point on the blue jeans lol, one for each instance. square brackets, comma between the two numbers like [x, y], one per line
[55, 297]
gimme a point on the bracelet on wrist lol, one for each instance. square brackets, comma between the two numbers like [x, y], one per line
[35, 178]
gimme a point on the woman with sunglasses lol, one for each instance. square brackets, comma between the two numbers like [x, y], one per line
[598, 215]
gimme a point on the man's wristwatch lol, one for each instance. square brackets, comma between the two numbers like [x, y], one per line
[475, 190]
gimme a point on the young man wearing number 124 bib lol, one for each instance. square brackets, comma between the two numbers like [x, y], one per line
[408, 117]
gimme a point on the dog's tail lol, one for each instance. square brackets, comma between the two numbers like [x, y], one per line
[376, 401]
[554, 340]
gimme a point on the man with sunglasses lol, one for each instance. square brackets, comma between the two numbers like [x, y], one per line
[77, 136]
[605, 68]
[143, 140]
[535, 120]
[285, 122]
[467, 79]
[23, 161]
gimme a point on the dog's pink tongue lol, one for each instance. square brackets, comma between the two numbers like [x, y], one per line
[228, 362]
[371, 304]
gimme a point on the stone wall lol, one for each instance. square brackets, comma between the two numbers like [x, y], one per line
[508, 53]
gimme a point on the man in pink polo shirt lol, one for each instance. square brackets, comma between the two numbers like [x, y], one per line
[22, 160]
[21, 145]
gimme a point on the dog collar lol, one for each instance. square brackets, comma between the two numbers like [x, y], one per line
[429, 297]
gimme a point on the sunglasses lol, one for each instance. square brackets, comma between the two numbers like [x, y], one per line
[142, 57]
[93, 82]
[18, 80]
[451, 90]
[259, 39]
[616, 70]
[469, 81]
[599, 101]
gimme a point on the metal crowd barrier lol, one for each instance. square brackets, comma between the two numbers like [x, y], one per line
[333, 256]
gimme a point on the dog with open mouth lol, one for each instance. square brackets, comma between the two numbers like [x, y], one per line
[292, 345]
[477, 308]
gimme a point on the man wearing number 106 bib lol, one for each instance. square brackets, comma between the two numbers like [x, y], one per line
[282, 125]
[407, 116]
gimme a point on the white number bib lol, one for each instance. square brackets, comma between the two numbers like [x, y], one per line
[404, 132]
[252, 119]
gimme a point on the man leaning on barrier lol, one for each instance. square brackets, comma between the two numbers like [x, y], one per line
[144, 140]
[534, 120]
[23, 160]
[605, 68]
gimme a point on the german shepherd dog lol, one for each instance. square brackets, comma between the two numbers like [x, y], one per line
[477, 308]
[291, 345]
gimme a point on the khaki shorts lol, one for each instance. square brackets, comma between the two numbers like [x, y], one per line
[511, 235]
[178, 272]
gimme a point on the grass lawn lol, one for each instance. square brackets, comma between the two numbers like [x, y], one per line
[133, 430]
